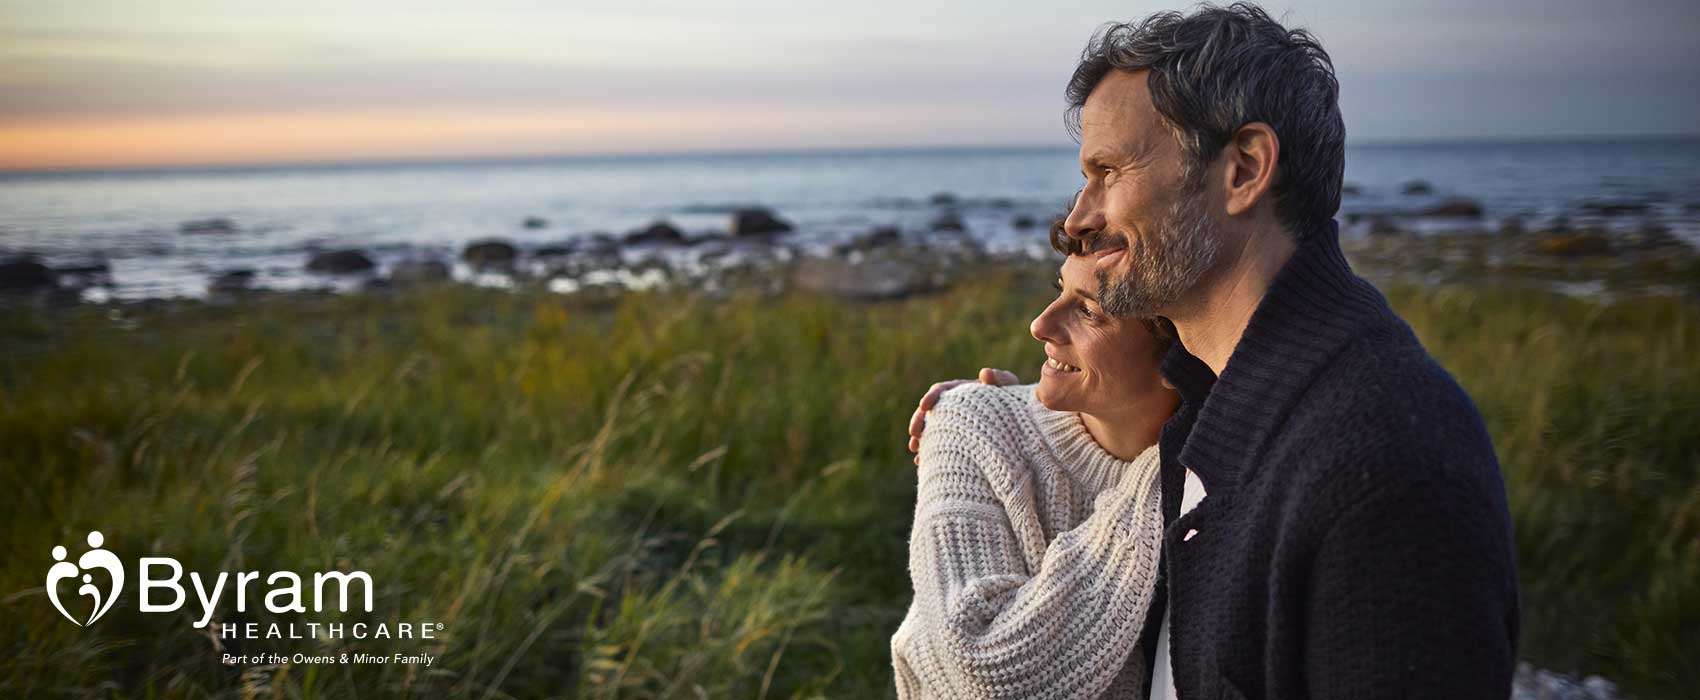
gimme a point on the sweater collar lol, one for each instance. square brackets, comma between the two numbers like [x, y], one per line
[1090, 465]
[1312, 308]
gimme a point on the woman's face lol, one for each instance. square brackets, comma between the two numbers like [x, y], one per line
[1097, 364]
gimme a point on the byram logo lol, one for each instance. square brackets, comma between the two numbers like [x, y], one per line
[288, 594]
[159, 585]
[95, 558]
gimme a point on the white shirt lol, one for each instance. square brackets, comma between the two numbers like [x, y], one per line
[1162, 672]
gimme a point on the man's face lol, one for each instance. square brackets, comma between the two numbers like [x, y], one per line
[1142, 214]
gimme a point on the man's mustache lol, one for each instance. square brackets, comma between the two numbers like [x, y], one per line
[1104, 240]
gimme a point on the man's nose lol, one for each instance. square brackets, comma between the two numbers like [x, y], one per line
[1085, 216]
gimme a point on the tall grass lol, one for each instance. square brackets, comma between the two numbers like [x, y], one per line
[674, 496]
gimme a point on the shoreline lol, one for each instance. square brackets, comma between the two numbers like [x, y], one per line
[886, 264]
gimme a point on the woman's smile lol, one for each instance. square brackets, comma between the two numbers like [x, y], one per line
[1058, 367]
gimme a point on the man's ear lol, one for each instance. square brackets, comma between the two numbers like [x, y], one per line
[1250, 157]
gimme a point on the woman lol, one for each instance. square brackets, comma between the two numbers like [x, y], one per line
[1038, 521]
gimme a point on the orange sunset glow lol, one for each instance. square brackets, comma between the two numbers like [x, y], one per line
[281, 137]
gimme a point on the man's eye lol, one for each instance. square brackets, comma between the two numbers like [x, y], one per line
[1086, 312]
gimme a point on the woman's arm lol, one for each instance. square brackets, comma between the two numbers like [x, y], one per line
[997, 629]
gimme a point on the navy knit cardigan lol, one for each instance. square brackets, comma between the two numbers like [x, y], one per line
[1354, 541]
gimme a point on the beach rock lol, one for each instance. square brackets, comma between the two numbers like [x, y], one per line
[1576, 244]
[872, 279]
[417, 272]
[1613, 207]
[1350, 189]
[757, 222]
[592, 243]
[88, 268]
[1530, 683]
[659, 232]
[1599, 688]
[1458, 208]
[1511, 227]
[1022, 222]
[948, 221]
[882, 237]
[27, 274]
[490, 254]
[199, 226]
[1656, 237]
[1384, 227]
[340, 262]
[710, 237]
[535, 222]
[942, 199]
[232, 282]
[1417, 187]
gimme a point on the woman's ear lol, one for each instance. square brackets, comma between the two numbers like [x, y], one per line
[1250, 158]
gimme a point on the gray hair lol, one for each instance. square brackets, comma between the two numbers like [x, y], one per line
[1220, 68]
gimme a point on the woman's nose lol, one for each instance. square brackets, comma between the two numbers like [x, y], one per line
[1042, 327]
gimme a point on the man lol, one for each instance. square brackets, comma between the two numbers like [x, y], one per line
[1336, 523]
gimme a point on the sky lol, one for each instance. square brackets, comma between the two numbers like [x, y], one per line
[92, 83]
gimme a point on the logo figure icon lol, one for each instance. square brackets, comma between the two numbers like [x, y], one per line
[95, 558]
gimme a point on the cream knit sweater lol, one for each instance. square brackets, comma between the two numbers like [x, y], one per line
[1033, 555]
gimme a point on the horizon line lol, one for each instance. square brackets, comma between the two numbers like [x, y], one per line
[497, 158]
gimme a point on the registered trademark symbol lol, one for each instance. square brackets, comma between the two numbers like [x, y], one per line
[439, 625]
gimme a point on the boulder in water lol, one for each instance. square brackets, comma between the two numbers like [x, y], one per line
[27, 274]
[1614, 207]
[346, 261]
[1417, 187]
[948, 221]
[882, 237]
[490, 254]
[199, 226]
[232, 282]
[658, 233]
[1458, 208]
[757, 222]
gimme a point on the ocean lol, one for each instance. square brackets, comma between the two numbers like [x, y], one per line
[131, 222]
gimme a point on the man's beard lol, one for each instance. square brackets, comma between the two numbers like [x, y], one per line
[1165, 263]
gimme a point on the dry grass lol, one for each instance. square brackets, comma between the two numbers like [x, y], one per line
[677, 497]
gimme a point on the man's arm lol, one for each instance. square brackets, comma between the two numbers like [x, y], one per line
[918, 421]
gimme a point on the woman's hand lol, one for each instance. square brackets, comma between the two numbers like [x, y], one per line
[918, 422]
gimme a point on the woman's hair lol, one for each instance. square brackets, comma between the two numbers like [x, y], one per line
[1160, 328]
